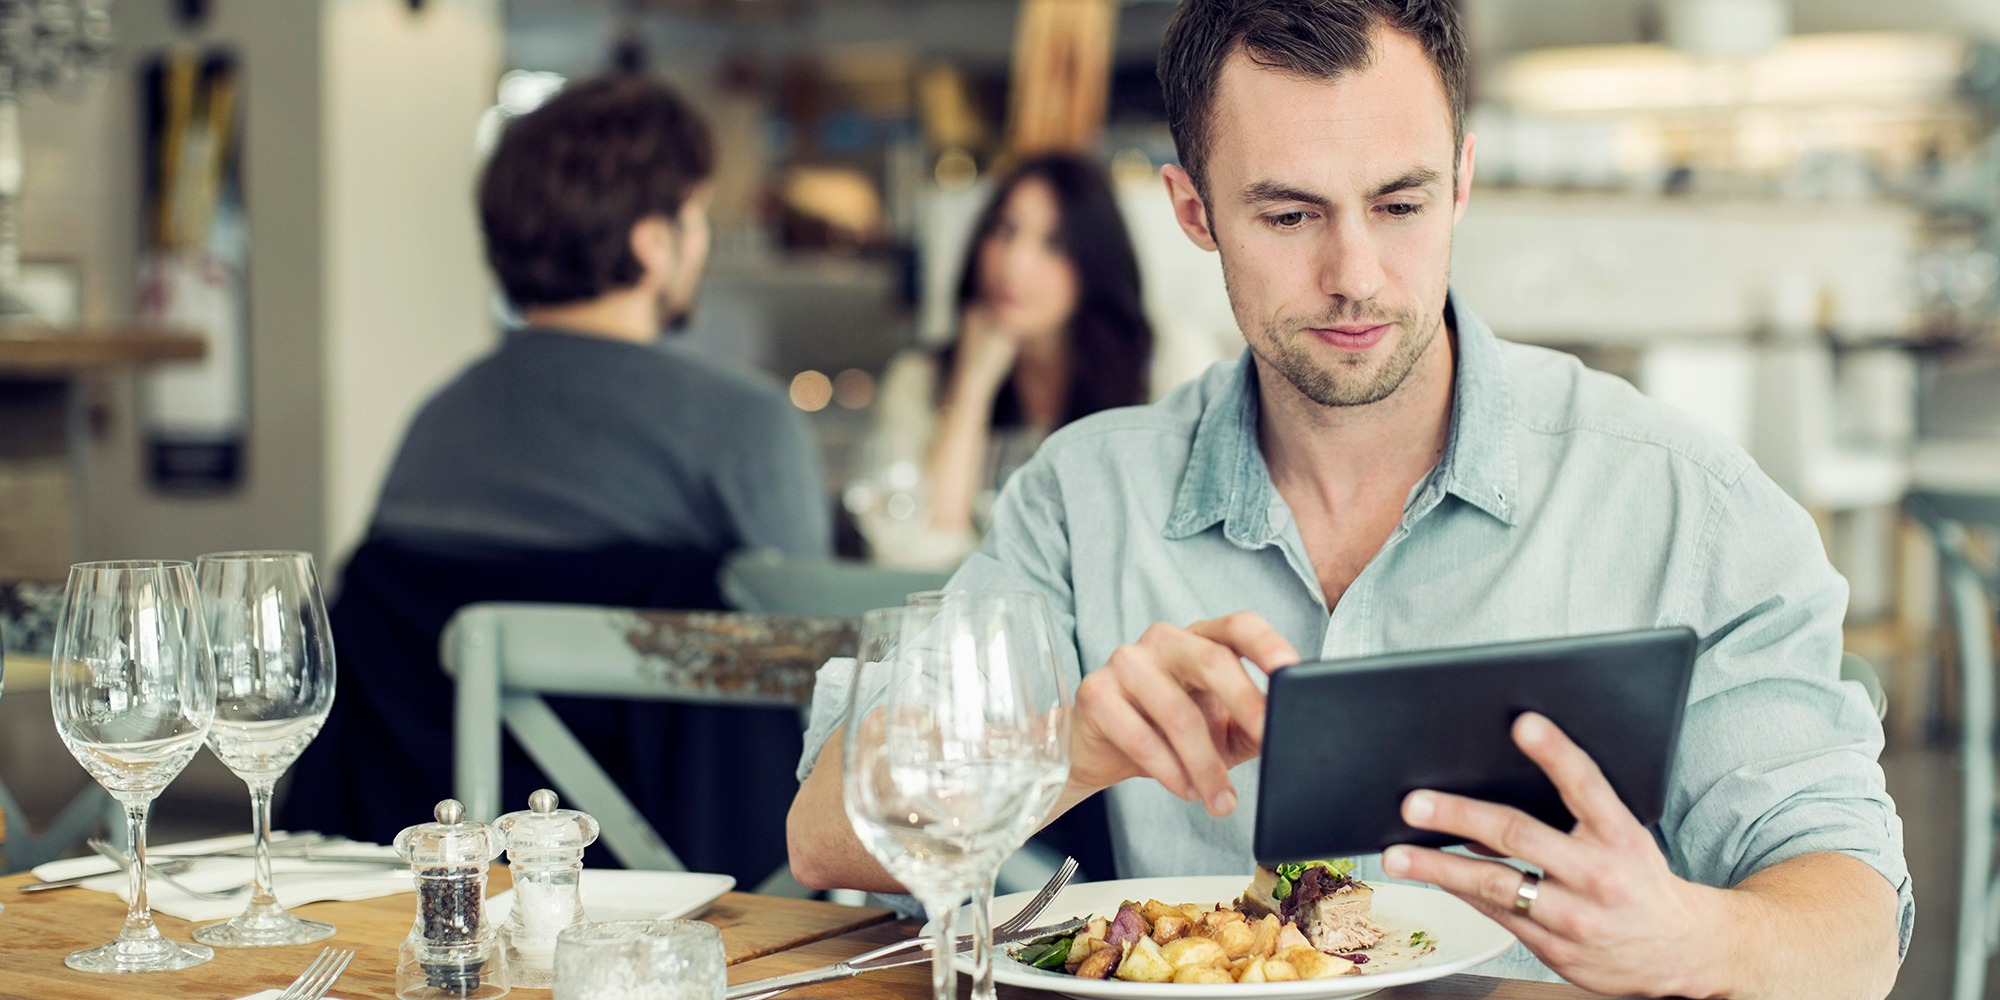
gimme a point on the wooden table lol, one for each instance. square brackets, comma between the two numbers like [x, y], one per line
[38, 929]
[764, 936]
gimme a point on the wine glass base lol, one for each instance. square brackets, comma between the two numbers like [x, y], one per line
[144, 955]
[263, 930]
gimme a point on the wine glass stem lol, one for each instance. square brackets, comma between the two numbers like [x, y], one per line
[982, 941]
[943, 951]
[138, 915]
[260, 818]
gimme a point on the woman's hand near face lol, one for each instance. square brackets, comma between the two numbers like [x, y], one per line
[986, 354]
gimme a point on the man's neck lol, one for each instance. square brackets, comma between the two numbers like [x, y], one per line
[1337, 457]
[630, 314]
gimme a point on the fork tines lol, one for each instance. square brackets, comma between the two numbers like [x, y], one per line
[1027, 914]
[319, 977]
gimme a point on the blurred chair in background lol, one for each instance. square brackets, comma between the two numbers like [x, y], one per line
[506, 657]
[1971, 595]
[716, 780]
[27, 623]
[773, 583]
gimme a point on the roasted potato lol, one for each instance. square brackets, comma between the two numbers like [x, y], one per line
[1195, 951]
[1099, 963]
[1289, 936]
[1208, 974]
[1170, 926]
[1144, 963]
[1193, 912]
[1153, 910]
[1237, 939]
[1217, 918]
[1277, 970]
[1080, 948]
[1264, 943]
[1315, 964]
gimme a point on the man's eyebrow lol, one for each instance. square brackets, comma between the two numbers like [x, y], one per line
[1264, 192]
[1415, 178]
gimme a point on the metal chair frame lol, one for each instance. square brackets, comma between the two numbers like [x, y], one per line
[1969, 598]
[507, 656]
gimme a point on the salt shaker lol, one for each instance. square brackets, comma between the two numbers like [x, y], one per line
[545, 852]
[451, 953]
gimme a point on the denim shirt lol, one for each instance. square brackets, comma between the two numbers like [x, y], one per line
[1565, 503]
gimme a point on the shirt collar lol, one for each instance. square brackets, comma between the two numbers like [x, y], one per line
[1227, 481]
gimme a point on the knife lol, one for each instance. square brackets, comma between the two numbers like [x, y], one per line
[886, 957]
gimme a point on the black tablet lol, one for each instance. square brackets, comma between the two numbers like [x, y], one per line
[1346, 740]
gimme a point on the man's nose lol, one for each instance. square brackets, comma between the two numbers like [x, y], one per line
[1350, 264]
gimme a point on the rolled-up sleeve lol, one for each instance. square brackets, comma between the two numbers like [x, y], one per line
[1026, 550]
[1779, 756]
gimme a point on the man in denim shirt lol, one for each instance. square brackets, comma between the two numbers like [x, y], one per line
[1381, 473]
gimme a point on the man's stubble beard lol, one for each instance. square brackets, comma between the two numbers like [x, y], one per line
[1284, 349]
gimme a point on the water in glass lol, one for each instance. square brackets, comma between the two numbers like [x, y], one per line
[640, 960]
[956, 748]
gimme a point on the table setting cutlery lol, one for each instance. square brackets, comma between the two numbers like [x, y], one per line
[918, 949]
[339, 870]
[317, 979]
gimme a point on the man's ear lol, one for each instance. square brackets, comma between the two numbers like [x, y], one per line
[656, 244]
[1189, 208]
[1462, 197]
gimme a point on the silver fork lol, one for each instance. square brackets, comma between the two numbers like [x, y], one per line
[319, 977]
[1056, 883]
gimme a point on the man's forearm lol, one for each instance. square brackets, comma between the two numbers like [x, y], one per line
[1816, 926]
[825, 853]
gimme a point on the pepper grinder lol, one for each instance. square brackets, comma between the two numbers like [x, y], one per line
[451, 953]
[545, 852]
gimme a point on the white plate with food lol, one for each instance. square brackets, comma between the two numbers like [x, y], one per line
[1375, 935]
[615, 894]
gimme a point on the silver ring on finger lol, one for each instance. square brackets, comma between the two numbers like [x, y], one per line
[1524, 897]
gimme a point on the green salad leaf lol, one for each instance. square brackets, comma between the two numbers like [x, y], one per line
[1055, 956]
[1288, 874]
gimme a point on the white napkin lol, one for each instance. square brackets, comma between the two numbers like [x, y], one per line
[297, 881]
[273, 995]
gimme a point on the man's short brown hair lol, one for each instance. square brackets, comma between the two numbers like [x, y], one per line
[569, 180]
[1319, 39]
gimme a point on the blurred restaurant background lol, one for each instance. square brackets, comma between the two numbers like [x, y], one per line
[238, 249]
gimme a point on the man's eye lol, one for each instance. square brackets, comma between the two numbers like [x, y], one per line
[1288, 220]
[1402, 210]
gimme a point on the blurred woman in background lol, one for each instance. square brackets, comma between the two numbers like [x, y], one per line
[1050, 330]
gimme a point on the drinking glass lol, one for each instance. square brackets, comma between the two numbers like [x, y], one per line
[639, 960]
[273, 653]
[133, 693]
[957, 745]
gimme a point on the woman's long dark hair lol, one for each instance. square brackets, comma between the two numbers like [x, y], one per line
[1111, 344]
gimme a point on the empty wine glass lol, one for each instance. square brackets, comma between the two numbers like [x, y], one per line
[274, 667]
[956, 747]
[133, 693]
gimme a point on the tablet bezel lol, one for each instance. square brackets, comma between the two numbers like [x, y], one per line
[1620, 695]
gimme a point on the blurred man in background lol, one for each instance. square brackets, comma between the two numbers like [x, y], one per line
[579, 430]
